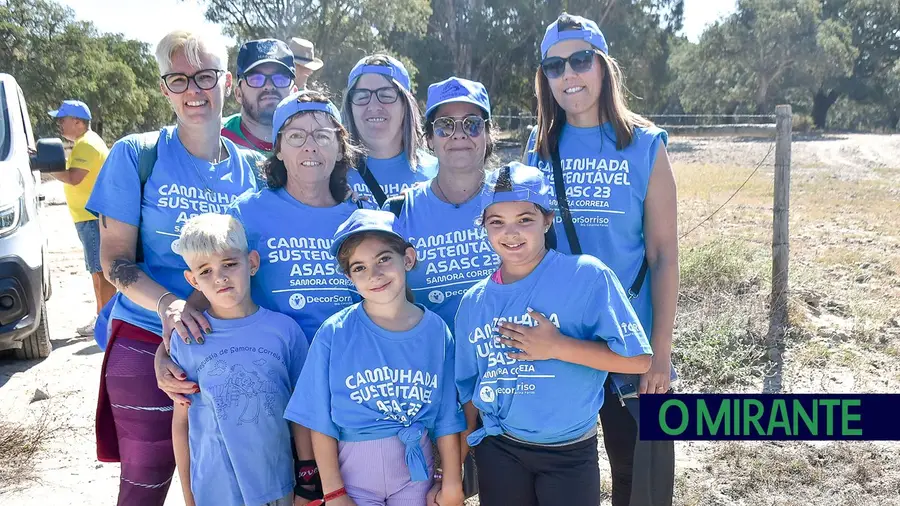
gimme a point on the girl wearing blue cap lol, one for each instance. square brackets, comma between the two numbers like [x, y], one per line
[438, 218]
[291, 224]
[617, 202]
[378, 382]
[383, 116]
[534, 343]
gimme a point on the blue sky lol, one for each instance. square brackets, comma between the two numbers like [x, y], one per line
[138, 20]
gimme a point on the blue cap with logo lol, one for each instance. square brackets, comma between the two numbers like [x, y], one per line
[518, 183]
[456, 89]
[393, 70]
[588, 32]
[73, 109]
[363, 220]
[291, 105]
[256, 52]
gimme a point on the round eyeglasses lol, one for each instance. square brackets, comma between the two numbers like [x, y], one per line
[206, 79]
[296, 137]
[472, 126]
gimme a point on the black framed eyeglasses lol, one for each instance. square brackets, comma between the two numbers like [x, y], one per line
[472, 126]
[580, 61]
[296, 137]
[205, 79]
[258, 80]
[362, 96]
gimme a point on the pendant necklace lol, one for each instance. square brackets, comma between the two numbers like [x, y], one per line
[205, 180]
[437, 181]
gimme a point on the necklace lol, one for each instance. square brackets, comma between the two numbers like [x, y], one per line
[205, 180]
[444, 196]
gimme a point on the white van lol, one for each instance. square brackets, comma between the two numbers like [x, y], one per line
[24, 273]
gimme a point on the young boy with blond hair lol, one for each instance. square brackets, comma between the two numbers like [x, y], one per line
[232, 443]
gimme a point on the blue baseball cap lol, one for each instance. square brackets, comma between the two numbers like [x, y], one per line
[393, 70]
[588, 32]
[256, 52]
[291, 105]
[528, 185]
[363, 220]
[456, 89]
[72, 108]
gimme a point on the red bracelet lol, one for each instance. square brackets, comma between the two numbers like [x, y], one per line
[333, 495]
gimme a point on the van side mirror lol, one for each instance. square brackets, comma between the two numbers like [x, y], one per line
[50, 156]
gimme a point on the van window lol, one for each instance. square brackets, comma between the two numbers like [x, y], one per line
[4, 124]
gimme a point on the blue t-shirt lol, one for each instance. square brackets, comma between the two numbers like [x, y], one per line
[393, 174]
[180, 187]
[545, 401]
[453, 253]
[297, 275]
[240, 443]
[605, 189]
[363, 382]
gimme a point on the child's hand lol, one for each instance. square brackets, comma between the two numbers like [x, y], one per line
[451, 496]
[430, 499]
[531, 343]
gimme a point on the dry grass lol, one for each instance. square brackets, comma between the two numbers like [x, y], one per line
[21, 442]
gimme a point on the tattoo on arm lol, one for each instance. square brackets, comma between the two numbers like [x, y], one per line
[123, 273]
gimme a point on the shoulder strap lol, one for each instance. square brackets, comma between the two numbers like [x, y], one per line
[370, 181]
[395, 203]
[563, 203]
[147, 156]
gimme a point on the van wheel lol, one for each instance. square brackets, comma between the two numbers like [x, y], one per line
[37, 345]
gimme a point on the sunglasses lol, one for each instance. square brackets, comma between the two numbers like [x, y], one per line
[205, 79]
[362, 96]
[580, 61]
[472, 126]
[259, 80]
[323, 137]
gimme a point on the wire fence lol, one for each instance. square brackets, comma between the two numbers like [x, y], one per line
[514, 124]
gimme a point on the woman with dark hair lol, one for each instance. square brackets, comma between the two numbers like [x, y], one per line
[382, 116]
[616, 198]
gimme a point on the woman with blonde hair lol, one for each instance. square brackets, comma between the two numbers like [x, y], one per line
[616, 200]
[151, 184]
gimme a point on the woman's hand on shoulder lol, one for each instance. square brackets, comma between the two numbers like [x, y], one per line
[171, 379]
[184, 318]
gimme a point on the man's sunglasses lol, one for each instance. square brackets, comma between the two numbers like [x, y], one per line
[259, 80]
[580, 61]
[445, 127]
[205, 79]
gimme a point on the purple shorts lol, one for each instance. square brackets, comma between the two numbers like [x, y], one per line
[375, 472]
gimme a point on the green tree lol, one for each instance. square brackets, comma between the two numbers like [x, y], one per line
[53, 58]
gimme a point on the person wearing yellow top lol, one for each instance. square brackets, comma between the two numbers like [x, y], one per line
[73, 118]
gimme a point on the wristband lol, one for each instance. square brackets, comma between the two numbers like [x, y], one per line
[308, 483]
[159, 301]
[333, 495]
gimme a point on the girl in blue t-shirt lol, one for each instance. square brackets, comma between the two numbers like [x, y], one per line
[383, 116]
[611, 165]
[534, 344]
[379, 380]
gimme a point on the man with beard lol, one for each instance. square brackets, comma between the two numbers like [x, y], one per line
[265, 71]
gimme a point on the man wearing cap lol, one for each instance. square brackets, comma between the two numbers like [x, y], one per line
[305, 61]
[265, 71]
[73, 118]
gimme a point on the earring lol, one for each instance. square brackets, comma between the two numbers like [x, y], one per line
[547, 229]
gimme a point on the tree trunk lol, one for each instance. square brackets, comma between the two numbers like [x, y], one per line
[821, 103]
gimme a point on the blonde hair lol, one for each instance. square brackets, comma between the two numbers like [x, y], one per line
[209, 233]
[613, 104]
[194, 44]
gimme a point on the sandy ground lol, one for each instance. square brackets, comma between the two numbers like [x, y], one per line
[68, 473]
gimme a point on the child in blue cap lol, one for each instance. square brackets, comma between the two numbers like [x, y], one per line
[383, 116]
[534, 343]
[378, 385]
[618, 203]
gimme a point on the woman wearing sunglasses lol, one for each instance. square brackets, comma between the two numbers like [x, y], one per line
[383, 116]
[196, 171]
[617, 202]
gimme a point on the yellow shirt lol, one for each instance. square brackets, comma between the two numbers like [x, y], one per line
[88, 153]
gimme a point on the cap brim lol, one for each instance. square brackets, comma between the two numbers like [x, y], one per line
[268, 60]
[315, 64]
[467, 100]
[53, 114]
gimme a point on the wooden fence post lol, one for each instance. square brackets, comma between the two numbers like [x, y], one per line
[778, 316]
